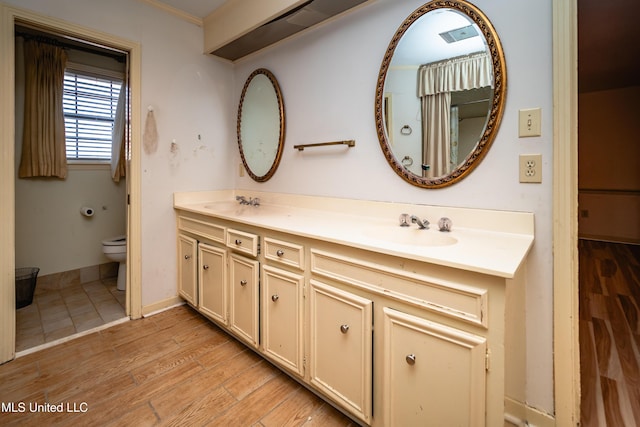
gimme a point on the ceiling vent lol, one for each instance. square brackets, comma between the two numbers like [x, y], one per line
[291, 22]
[459, 34]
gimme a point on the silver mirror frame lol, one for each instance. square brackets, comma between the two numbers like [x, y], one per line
[497, 103]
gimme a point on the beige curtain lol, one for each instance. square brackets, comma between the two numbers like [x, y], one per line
[436, 81]
[453, 75]
[436, 135]
[118, 141]
[43, 144]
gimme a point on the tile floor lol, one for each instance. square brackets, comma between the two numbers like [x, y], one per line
[59, 313]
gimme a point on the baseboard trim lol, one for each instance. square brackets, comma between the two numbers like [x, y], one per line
[520, 414]
[160, 306]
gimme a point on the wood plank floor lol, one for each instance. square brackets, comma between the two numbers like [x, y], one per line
[174, 368]
[609, 334]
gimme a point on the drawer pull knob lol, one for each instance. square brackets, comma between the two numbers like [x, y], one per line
[243, 282]
[205, 267]
[238, 242]
[274, 298]
[411, 359]
[280, 252]
[344, 329]
[187, 257]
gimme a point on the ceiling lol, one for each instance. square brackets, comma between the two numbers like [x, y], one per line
[196, 8]
[608, 41]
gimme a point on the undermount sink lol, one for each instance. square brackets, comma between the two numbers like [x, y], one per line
[410, 236]
[235, 209]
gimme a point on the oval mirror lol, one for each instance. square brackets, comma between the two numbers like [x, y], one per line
[440, 93]
[261, 125]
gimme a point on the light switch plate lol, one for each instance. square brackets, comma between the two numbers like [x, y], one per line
[529, 122]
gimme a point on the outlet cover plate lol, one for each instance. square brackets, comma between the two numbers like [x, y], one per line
[531, 168]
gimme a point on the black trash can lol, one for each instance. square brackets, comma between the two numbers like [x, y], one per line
[25, 285]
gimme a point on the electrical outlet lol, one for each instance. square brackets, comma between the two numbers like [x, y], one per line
[531, 168]
[240, 169]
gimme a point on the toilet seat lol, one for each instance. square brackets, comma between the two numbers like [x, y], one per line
[115, 249]
[115, 241]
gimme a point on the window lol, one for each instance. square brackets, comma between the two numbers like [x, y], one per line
[89, 102]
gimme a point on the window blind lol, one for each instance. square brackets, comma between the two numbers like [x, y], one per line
[89, 104]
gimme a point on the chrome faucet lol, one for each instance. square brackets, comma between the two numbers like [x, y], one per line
[421, 224]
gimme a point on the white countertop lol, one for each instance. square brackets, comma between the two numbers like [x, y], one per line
[484, 241]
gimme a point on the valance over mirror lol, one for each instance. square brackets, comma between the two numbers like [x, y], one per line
[261, 125]
[440, 93]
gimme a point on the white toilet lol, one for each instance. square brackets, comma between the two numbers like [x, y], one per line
[115, 248]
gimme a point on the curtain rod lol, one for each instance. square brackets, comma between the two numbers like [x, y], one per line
[455, 58]
[120, 57]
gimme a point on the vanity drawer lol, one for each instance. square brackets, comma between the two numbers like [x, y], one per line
[240, 241]
[284, 252]
[210, 231]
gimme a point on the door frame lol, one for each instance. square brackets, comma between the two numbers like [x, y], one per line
[9, 16]
[565, 213]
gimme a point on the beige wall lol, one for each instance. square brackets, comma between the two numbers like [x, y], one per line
[609, 165]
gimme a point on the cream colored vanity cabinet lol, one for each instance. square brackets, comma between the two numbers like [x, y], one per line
[202, 266]
[244, 296]
[431, 372]
[212, 282]
[219, 273]
[341, 354]
[282, 317]
[437, 346]
[390, 340]
[187, 269]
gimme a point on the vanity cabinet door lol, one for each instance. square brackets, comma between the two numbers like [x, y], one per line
[433, 374]
[341, 352]
[212, 282]
[244, 293]
[282, 321]
[187, 269]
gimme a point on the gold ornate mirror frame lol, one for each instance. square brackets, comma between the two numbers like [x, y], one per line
[281, 126]
[497, 102]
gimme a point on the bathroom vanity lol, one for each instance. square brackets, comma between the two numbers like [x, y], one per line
[396, 326]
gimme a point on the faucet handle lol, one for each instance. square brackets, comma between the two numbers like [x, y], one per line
[445, 224]
[404, 220]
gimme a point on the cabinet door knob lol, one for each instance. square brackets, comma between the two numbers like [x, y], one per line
[344, 329]
[238, 242]
[205, 267]
[411, 359]
[274, 298]
[280, 252]
[243, 282]
[187, 257]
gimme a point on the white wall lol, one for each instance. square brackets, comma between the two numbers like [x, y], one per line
[328, 77]
[191, 95]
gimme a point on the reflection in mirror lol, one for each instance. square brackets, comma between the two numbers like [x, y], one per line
[261, 125]
[440, 93]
